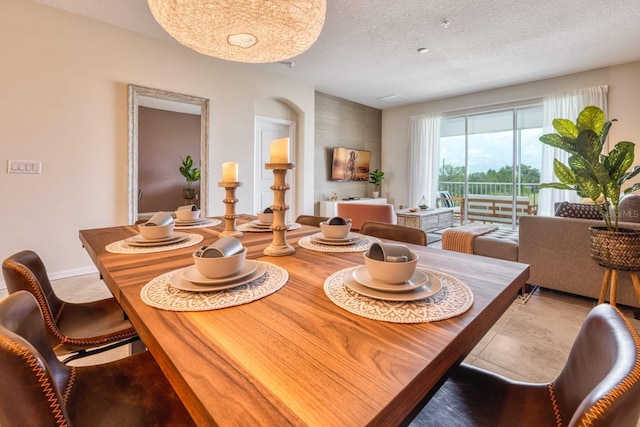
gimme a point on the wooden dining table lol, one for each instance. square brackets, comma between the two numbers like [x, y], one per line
[294, 357]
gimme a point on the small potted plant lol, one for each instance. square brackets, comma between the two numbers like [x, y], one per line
[593, 174]
[191, 174]
[376, 178]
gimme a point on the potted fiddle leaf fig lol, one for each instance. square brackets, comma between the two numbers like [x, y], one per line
[191, 174]
[594, 174]
[376, 178]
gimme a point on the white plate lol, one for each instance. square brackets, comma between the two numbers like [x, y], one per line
[315, 239]
[431, 288]
[362, 276]
[250, 227]
[258, 224]
[193, 275]
[351, 237]
[192, 222]
[138, 240]
[179, 283]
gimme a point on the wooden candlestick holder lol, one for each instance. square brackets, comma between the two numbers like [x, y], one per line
[230, 211]
[279, 245]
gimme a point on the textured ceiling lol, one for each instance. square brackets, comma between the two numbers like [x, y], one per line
[368, 48]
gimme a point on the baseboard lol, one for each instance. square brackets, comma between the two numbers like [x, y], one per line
[64, 274]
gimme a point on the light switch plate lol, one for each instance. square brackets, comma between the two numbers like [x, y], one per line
[24, 166]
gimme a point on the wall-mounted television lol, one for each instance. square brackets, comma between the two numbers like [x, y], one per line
[350, 165]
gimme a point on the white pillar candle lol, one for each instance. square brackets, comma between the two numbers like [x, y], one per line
[279, 151]
[230, 172]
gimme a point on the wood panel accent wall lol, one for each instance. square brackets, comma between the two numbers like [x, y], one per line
[342, 123]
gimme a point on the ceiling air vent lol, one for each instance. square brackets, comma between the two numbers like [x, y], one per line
[392, 99]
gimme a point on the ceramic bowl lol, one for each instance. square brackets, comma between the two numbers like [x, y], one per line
[391, 272]
[154, 232]
[186, 215]
[332, 231]
[216, 268]
[265, 217]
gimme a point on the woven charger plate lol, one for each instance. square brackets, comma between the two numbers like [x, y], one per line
[359, 246]
[121, 247]
[159, 293]
[453, 299]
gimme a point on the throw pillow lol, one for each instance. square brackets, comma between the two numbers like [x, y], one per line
[445, 201]
[629, 208]
[578, 210]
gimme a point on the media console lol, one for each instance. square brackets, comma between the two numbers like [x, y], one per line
[330, 208]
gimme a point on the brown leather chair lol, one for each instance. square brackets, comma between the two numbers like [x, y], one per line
[599, 385]
[38, 390]
[394, 232]
[74, 329]
[311, 220]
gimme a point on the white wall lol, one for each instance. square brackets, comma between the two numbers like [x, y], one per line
[624, 105]
[63, 101]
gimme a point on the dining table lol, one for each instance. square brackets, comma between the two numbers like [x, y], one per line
[294, 356]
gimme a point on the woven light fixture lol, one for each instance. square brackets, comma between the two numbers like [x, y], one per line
[255, 31]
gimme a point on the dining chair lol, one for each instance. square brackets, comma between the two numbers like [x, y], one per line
[75, 329]
[39, 390]
[394, 232]
[599, 385]
[362, 212]
[311, 220]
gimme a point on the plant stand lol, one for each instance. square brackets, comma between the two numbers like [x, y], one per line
[611, 279]
[616, 251]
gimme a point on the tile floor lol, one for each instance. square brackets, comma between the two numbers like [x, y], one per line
[530, 342]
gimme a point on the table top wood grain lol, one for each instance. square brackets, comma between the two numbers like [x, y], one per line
[293, 357]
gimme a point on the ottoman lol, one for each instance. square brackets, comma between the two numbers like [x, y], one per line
[482, 239]
[502, 244]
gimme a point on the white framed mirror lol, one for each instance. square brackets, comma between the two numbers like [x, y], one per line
[140, 96]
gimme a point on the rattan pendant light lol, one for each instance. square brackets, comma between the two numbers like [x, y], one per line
[255, 31]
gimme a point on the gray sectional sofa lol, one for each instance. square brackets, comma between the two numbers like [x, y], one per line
[558, 251]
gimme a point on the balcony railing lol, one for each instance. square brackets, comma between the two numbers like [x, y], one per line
[456, 189]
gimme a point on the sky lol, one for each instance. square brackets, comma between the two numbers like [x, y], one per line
[491, 150]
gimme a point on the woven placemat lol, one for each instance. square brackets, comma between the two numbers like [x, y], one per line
[209, 223]
[121, 247]
[159, 293]
[360, 246]
[452, 300]
[250, 228]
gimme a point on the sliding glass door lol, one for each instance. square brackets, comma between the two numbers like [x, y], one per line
[492, 161]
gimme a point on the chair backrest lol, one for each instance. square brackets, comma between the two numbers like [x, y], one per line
[32, 376]
[600, 384]
[311, 220]
[394, 232]
[362, 212]
[25, 271]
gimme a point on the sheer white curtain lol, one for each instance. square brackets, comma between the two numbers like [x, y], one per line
[422, 159]
[565, 105]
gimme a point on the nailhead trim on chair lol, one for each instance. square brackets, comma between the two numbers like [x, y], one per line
[601, 406]
[45, 385]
